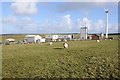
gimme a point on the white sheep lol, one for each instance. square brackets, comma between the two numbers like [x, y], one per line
[65, 45]
[50, 43]
[98, 40]
[65, 40]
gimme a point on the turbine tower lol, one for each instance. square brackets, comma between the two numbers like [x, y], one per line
[106, 11]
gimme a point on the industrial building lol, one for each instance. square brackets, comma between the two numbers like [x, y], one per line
[10, 40]
[33, 39]
[95, 37]
[51, 37]
[58, 37]
[83, 33]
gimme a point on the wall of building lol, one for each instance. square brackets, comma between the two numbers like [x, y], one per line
[58, 37]
[95, 37]
[30, 39]
[54, 37]
[48, 36]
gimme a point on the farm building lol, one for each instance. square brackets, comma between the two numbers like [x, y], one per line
[9, 40]
[67, 37]
[89, 37]
[32, 38]
[42, 40]
[95, 37]
[51, 37]
[58, 37]
[83, 33]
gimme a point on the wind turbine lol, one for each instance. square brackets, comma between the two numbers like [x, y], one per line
[106, 11]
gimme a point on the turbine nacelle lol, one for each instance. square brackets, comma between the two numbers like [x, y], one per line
[106, 10]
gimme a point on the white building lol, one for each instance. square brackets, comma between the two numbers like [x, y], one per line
[32, 38]
[42, 40]
[51, 37]
[83, 33]
[58, 37]
[67, 37]
[10, 40]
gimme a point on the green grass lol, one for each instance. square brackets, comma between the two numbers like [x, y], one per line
[83, 59]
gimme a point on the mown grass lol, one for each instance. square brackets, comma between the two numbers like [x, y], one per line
[83, 59]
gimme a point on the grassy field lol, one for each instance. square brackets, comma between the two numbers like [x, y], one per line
[83, 59]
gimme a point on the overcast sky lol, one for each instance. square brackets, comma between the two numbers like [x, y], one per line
[49, 17]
